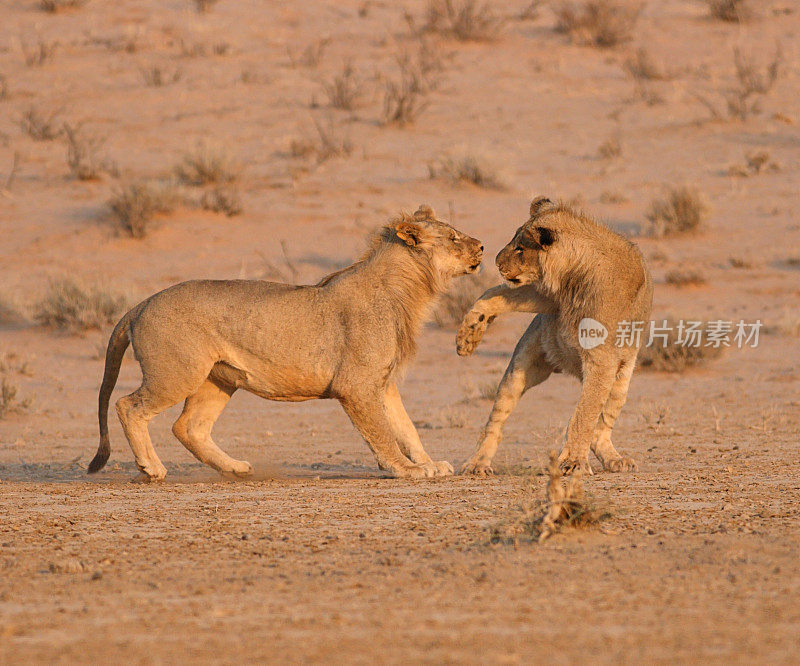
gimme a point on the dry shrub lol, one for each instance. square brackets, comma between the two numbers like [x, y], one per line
[755, 163]
[403, 99]
[733, 11]
[330, 141]
[613, 197]
[466, 20]
[9, 403]
[157, 76]
[610, 148]
[9, 313]
[565, 505]
[311, 54]
[685, 278]
[136, 204]
[753, 82]
[346, 90]
[682, 210]
[54, 6]
[468, 167]
[641, 66]
[39, 54]
[4, 94]
[787, 324]
[41, 126]
[203, 6]
[675, 357]
[222, 199]
[84, 154]
[76, 307]
[208, 164]
[488, 389]
[458, 300]
[603, 23]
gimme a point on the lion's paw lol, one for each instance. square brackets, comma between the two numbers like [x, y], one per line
[427, 471]
[443, 468]
[240, 469]
[477, 467]
[621, 464]
[570, 464]
[471, 331]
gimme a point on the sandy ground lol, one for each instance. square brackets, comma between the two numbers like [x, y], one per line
[320, 558]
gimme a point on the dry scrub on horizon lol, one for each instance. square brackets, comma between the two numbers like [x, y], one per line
[404, 97]
[53, 6]
[208, 164]
[467, 167]
[602, 23]
[84, 154]
[732, 11]
[136, 204]
[465, 20]
[329, 142]
[685, 278]
[674, 357]
[682, 210]
[222, 199]
[72, 306]
[39, 54]
[41, 126]
[345, 90]
[9, 403]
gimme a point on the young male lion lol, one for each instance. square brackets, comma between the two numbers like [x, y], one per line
[576, 274]
[345, 338]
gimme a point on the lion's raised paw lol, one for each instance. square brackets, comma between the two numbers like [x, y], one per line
[470, 333]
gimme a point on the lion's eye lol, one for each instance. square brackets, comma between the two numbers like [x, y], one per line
[520, 250]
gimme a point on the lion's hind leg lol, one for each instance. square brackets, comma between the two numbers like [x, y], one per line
[193, 428]
[135, 411]
[602, 447]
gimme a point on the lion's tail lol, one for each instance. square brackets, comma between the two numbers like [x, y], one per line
[117, 345]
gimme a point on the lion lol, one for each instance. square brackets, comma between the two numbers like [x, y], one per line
[347, 338]
[579, 276]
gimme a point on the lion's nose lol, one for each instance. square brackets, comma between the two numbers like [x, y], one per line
[481, 248]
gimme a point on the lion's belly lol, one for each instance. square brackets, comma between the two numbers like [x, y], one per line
[265, 380]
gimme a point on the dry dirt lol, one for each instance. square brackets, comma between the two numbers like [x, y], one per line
[319, 558]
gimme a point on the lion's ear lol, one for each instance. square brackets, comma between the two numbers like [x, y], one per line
[424, 212]
[408, 232]
[546, 236]
[538, 204]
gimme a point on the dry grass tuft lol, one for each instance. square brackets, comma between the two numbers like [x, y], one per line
[466, 20]
[403, 98]
[787, 324]
[9, 403]
[135, 205]
[733, 11]
[76, 307]
[84, 154]
[683, 210]
[204, 6]
[330, 141]
[468, 167]
[311, 54]
[602, 23]
[223, 199]
[458, 300]
[4, 88]
[641, 66]
[685, 278]
[610, 148]
[753, 82]
[156, 76]
[208, 164]
[54, 6]
[39, 54]
[41, 126]
[675, 357]
[565, 505]
[346, 90]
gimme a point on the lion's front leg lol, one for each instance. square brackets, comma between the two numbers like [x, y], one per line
[406, 434]
[597, 383]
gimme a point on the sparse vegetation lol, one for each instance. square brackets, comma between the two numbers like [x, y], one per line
[733, 11]
[641, 66]
[200, 49]
[682, 210]
[9, 403]
[755, 163]
[613, 197]
[753, 83]
[54, 6]
[41, 126]
[39, 54]
[222, 199]
[602, 23]
[346, 90]
[610, 148]
[487, 390]
[456, 302]
[84, 156]
[468, 167]
[466, 20]
[208, 164]
[671, 356]
[157, 76]
[330, 141]
[787, 324]
[565, 505]
[685, 278]
[136, 205]
[3, 87]
[311, 54]
[203, 6]
[73, 306]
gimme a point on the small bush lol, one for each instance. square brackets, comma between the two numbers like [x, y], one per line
[311, 54]
[156, 76]
[84, 154]
[565, 505]
[203, 6]
[675, 357]
[346, 90]
[403, 99]
[41, 126]
[733, 11]
[136, 204]
[468, 167]
[684, 278]
[466, 20]
[642, 67]
[602, 23]
[458, 300]
[683, 210]
[753, 83]
[610, 148]
[208, 164]
[54, 6]
[330, 141]
[787, 324]
[73, 306]
[3, 87]
[39, 54]
[9, 403]
[222, 200]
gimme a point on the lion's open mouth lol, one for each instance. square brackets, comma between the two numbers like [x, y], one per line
[514, 280]
[475, 267]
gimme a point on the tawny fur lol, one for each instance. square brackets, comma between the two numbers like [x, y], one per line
[566, 267]
[346, 338]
